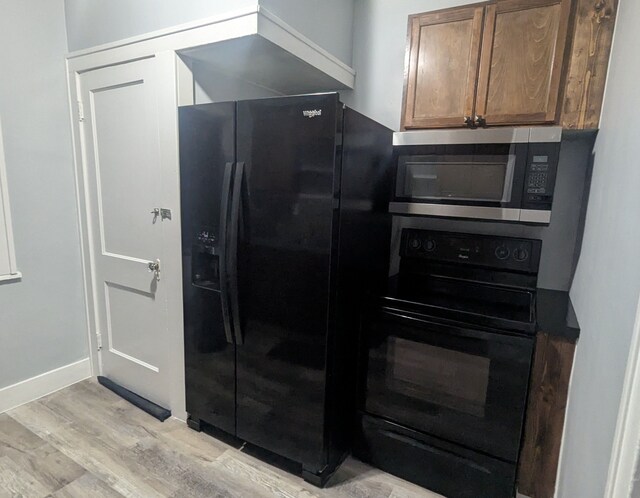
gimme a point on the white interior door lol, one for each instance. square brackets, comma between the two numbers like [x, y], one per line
[122, 163]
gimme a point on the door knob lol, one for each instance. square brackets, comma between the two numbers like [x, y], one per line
[154, 266]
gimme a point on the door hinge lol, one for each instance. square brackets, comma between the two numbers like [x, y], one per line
[80, 111]
[99, 341]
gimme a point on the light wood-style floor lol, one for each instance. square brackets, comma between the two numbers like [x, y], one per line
[86, 442]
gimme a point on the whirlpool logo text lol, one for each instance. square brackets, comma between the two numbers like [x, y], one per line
[312, 113]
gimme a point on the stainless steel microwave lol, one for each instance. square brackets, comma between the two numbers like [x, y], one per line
[505, 174]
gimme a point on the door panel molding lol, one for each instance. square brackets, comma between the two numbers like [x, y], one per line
[111, 341]
[124, 160]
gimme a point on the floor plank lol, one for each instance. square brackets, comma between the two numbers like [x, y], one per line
[16, 481]
[86, 486]
[86, 441]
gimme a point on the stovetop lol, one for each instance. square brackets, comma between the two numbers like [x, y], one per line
[474, 279]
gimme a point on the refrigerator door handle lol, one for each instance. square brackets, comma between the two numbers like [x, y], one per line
[236, 199]
[224, 273]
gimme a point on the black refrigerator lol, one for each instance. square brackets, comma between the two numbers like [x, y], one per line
[285, 229]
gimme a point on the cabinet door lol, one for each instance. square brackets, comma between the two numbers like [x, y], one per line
[442, 66]
[522, 61]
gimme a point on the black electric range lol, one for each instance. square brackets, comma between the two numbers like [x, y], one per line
[446, 362]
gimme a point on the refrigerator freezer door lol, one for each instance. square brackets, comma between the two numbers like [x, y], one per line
[207, 154]
[288, 227]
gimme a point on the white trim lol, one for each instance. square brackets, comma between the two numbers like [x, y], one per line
[73, 87]
[173, 83]
[11, 276]
[200, 23]
[309, 50]
[43, 384]
[184, 82]
[5, 212]
[209, 21]
[238, 24]
[177, 39]
[625, 443]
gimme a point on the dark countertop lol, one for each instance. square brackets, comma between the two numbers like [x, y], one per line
[555, 314]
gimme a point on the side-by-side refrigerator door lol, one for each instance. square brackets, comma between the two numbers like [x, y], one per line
[207, 155]
[287, 169]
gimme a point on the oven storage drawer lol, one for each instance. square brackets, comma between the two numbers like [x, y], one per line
[447, 469]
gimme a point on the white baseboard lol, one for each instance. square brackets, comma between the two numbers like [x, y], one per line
[43, 384]
[180, 415]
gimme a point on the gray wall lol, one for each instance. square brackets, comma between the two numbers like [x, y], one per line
[94, 22]
[635, 486]
[42, 318]
[329, 23]
[90, 23]
[607, 284]
[379, 40]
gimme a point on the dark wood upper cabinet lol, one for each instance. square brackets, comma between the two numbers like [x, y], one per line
[442, 67]
[507, 62]
[522, 58]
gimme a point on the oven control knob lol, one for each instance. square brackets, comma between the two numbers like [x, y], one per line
[502, 252]
[520, 254]
[430, 245]
[414, 243]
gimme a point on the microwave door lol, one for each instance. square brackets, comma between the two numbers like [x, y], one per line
[412, 182]
[466, 181]
[441, 179]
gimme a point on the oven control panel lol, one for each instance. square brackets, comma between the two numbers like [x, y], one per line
[506, 253]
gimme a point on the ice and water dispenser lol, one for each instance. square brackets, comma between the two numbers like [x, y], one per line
[205, 260]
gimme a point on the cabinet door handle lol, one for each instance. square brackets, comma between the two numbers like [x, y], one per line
[480, 121]
[468, 121]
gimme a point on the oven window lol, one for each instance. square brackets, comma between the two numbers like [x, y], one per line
[456, 177]
[438, 376]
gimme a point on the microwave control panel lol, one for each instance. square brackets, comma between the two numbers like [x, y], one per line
[541, 176]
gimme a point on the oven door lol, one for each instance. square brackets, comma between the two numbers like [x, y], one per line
[463, 385]
[471, 181]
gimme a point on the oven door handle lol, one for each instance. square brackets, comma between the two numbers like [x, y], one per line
[437, 328]
[424, 447]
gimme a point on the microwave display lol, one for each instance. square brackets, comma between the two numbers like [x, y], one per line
[456, 177]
